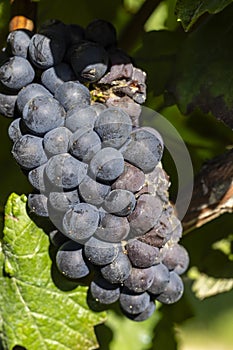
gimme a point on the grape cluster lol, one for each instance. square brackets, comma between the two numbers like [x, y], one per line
[76, 98]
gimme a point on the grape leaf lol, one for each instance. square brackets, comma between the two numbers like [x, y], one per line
[35, 313]
[203, 67]
[188, 11]
[205, 286]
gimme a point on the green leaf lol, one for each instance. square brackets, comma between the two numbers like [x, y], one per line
[205, 286]
[158, 63]
[35, 313]
[188, 11]
[203, 67]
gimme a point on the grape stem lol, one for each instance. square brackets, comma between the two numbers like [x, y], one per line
[213, 192]
[23, 14]
[134, 28]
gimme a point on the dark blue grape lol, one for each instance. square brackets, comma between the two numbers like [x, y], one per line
[46, 52]
[7, 104]
[80, 222]
[107, 164]
[89, 61]
[134, 303]
[119, 202]
[176, 258]
[117, 271]
[16, 73]
[140, 279]
[98, 107]
[28, 152]
[36, 178]
[37, 204]
[18, 42]
[84, 144]
[63, 201]
[114, 127]
[70, 261]
[103, 291]
[145, 215]
[100, 253]
[57, 140]
[42, 114]
[14, 130]
[57, 238]
[142, 254]
[132, 179]
[112, 228]
[53, 77]
[65, 171]
[93, 192]
[29, 92]
[173, 290]
[73, 94]
[77, 118]
[101, 32]
[145, 149]
[144, 315]
[161, 279]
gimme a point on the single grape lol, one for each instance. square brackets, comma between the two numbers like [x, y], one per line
[37, 204]
[16, 73]
[103, 291]
[80, 222]
[28, 92]
[145, 149]
[7, 104]
[113, 127]
[112, 228]
[77, 118]
[145, 215]
[144, 315]
[93, 192]
[63, 201]
[107, 164]
[46, 52]
[117, 271]
[161, 232]
[18, 42]
[99, 252]
[54, 76]
[139, 279]
[119, 202]
[132, 179]
[65, 171]
[133, 303]
[28, 152]
[161, 279]
[57, 238]
[42, 114]
[101, 32]
[56, 141]
[70, 261]
[84, 144]
[36, 178]
[98, 107]
[173, 290]
[142, 254]
[89, 61]
[176, 258]
[14, 130]
[72, 94]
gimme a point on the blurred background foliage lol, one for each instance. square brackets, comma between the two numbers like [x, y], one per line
[186, 49]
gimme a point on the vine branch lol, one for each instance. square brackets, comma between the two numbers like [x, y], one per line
[213, 192]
